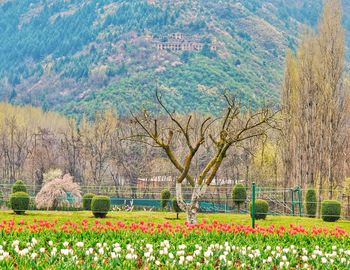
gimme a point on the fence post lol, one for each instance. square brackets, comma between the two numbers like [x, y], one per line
[253, 205]
[292, 202]
[299, 201]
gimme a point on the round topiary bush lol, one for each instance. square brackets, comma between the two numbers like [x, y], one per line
[87, 198]
[261, 209]
[19, 202]
[100, 206]
[311, 203]
[330, 210]
[165, 198]
[239, 195]
[176, 207]
[19, 186]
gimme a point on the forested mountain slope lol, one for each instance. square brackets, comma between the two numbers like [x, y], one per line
[79, 56]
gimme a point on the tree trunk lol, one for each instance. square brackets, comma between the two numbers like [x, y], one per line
[191, 208]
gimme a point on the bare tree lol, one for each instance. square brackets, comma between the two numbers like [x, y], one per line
[234, 127]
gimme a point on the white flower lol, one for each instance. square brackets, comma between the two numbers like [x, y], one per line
[147, 254]
[129, 256]
[157, 262]
[189, 258]
[53, 252]
[171, 256]
[95, 258]
[80, 244]
[14, 243]
[207, 254]
[281, 264]
[324, 260]
[117, 249]
[180, 253]
[182, 246]
[304, 258]
[33, 255]
[101, 251]
[196, 252]
[113, 255]
[42, 250]
[65, 244]
[50, 243]
[334, 247]
[65, 251]
[269, 259]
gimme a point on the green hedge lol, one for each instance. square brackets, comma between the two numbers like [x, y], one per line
[19, 202]
[19, 186]
[239, 195]
[261, 209]
[330, 210]
[87, 199]
[100, 206]
[165, 198]
[311, 203]
[176, 207]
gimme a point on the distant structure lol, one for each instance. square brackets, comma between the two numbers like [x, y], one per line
[178, 42]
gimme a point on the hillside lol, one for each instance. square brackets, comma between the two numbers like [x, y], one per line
[79, 56]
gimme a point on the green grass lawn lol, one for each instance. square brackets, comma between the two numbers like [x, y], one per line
[137, 216]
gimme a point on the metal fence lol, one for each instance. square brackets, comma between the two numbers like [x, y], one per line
[217, 199]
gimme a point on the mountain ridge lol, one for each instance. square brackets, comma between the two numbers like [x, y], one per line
[79, 57]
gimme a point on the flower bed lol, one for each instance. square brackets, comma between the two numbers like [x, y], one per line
[107, 245]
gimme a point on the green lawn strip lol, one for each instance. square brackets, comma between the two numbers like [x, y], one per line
[159, 217]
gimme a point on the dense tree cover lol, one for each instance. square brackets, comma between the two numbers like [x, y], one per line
[81, 52]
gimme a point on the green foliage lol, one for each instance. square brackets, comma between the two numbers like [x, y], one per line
[19, 186]
[176, 207]
[19, 202]
[87, 199]
[261, 209]
[239, 194]
[165, 198]
[58, 37]
[311, 203]
[100, 206]
[330, 210]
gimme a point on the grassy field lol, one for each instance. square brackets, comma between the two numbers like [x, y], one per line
[137, 216]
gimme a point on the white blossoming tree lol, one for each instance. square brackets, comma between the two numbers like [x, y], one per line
[54, 193]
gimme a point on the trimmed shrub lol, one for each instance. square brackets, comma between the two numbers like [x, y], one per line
[165, 198]
[100, 206]
[261, 209]
[87, 198]
[19, 202]
[330, 210]
[176, 207]
[19, 186]
[311, 203]
[239, 195]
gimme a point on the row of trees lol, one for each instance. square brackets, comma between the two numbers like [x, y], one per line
[101, 152]
[316, 107]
